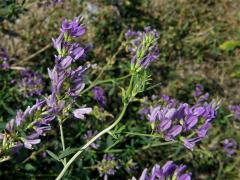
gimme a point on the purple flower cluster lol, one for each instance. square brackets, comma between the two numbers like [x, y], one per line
[230, 146]
[65, 82]
[168, 171]
[4, 59]
[68, 53]
[99, 96]
[235, 109]
[143, 47]
[189, 123]
[31, 83]
[107, 166]
[21, 121]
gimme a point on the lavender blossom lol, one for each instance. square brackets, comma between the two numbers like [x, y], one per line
[73, 28]
[179, 120]
[229, 146]
[31, 83]
[76, 80]
[21, 121]
[99, 96]
[65, 82]
[168, 171]
[79, 113]
[143, 47]
[108, 166]
[28, 143]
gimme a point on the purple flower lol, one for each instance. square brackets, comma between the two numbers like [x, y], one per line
[99, 96]
[76, 80]
[229, 146]
[173, 132]
[178, 120]
[31, 83]
[28, 143]
[107, 166]
[57, 43]
[153, 114]
[143, 47]
[57, 79]
[73, 28]
[79, 113]
[168, 171]
[190, 143]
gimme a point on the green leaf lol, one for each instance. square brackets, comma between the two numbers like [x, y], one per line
[54, 156]
[67, 152]
[229, 45]
[112, 134]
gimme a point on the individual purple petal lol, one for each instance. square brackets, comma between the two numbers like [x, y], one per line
[144, 175]
[169, 168]
[165, 125]
[153, 114]
[28, 143]
[180, 169]
[77, 53]
[173, 132]
[66, 62]
[57, 43]
[185, 177]
[190, 122]
[202, 131]
[190, 143]
[199, 111]
[66, 26]
[79, 113]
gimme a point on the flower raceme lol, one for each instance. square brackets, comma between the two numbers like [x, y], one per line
[36, 120]
[23, 121]
[168, 171]
[31, 83]
[189, 124]
[143, 47]
[108, 166]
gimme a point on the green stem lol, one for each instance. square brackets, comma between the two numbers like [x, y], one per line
[91, 141]
[62, 140]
